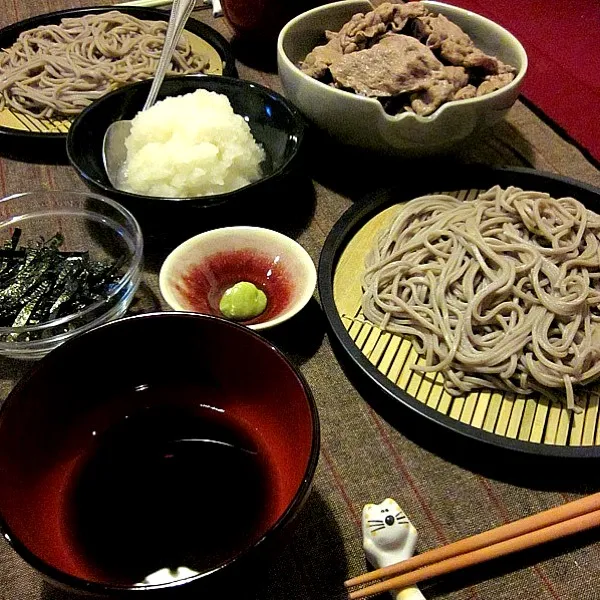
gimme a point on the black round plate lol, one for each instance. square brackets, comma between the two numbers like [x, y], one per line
[395, 398]
[48, 146]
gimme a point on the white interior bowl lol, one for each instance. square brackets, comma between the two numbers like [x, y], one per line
[196, 274]
[360, 121]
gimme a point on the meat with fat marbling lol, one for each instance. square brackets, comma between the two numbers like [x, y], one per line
[397, 64]
[362, 31]
[407, 56]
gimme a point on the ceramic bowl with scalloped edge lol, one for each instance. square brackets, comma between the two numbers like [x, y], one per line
[362, 122]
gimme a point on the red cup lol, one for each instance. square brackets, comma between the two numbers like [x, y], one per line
[263, 19]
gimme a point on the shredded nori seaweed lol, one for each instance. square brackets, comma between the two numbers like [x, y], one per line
[40, 283]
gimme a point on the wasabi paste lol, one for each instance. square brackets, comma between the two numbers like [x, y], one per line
[243, 301]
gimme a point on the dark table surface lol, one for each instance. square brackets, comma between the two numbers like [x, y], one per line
[445, 491]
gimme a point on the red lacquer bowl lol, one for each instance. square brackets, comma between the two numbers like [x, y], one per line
[197, 273]
[263, 19]
[163, 440]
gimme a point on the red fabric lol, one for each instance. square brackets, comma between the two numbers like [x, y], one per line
[562, 41]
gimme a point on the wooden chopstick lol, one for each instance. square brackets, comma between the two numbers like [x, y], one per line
[158, 3]
[528, 540]
[544, 520]
[145, 3]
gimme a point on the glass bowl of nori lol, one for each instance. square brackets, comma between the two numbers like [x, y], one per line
[69, 261]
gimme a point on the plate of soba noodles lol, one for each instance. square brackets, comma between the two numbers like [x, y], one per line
[54, 65]
[473, 299]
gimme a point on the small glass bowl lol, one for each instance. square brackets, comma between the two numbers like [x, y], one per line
[86, 222]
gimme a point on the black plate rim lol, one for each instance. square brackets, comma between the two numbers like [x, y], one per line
[473, 176]
[9, 34]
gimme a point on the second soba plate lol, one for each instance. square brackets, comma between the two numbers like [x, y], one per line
[530, 424]
[30, 138]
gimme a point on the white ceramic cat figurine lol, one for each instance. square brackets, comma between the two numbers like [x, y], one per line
[389, 537]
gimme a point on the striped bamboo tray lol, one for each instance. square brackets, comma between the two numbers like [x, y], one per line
[23, 136]
[532, 422]
[11, 119]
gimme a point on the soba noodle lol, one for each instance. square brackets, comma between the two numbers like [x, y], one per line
[499, 292]
[60, 69]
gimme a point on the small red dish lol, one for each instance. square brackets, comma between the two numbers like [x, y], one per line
[197, 273]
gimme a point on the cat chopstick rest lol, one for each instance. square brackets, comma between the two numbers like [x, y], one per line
[388, 538]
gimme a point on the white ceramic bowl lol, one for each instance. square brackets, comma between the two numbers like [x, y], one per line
[360, 121]
[197, 273]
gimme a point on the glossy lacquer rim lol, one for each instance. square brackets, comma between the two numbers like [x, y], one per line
[472, 177]
[26, 143]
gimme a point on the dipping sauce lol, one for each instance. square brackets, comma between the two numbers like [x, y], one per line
[203, 286]
[168, 487]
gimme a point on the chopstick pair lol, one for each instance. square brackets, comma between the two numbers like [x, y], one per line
[215, 4]
[545, 526]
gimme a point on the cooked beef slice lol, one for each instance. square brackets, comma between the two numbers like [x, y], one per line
[469, 91]
[454, 45]
[408, 57]
[316, 64]
[441, 87]
[397, 64]
[362, 31]
[494, 82]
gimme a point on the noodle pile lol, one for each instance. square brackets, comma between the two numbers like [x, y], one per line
[60, 69]
[502, 291]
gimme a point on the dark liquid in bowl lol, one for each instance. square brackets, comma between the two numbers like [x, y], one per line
[148, 497]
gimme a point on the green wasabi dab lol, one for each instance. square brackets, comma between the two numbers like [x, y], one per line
[243, 301]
